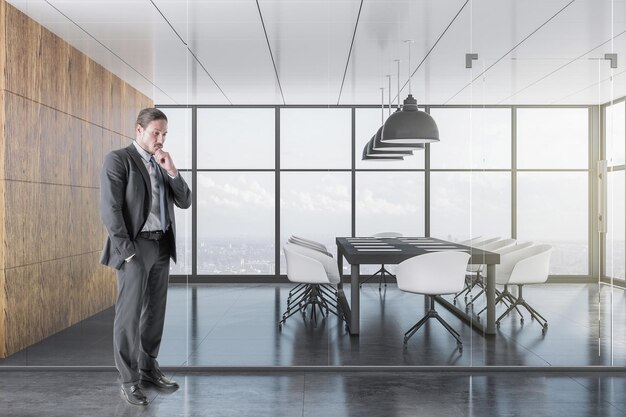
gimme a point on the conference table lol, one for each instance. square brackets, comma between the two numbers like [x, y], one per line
[378, 250]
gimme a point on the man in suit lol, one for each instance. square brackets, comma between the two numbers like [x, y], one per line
[139, 186]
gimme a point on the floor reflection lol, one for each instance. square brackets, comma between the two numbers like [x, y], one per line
[236, 325]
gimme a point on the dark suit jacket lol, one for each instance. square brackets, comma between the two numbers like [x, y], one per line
[125, 200]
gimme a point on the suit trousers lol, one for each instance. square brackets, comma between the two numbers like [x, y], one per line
[140, 308]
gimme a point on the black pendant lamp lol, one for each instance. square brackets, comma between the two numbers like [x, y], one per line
[377, 143]
[410, 125]
[366, 157]
[370, 151]
[389, 154]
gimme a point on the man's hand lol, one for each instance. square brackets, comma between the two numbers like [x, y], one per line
[165, 161]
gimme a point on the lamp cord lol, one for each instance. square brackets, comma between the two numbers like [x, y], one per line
[382, 105]
[389, 91]
[409, 43]
[398, 61]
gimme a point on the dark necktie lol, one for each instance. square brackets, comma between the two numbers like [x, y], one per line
[162, 199]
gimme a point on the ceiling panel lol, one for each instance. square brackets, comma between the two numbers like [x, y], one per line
[382, 30]
[310, 42]
[228, 39]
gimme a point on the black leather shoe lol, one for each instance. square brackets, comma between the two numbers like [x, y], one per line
[156, 377]
[134, 395]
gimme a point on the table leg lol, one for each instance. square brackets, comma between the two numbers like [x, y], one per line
[490, 293]
[355, 300]
[341, 296]
[340, 267]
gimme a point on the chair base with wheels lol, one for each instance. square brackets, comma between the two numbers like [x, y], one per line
[505, 297]
[432, 313]
[315, 273]
[520, 302]
[315, 297]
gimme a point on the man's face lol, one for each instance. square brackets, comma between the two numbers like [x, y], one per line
[152, 137]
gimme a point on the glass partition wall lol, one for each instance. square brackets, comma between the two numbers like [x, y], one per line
[496, 185]
[506, 167]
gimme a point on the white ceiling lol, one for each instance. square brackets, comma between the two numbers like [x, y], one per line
[340, 51]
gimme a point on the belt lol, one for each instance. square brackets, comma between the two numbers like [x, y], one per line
[153, 235]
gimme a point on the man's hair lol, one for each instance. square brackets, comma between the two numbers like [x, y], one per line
[148, 115]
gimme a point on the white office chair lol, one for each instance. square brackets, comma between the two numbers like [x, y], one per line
[523, 267]
[383, 272]
[476, 270]
[313, 269]
[432, 274]
[311, 244]
[473, 271]
[505, 295]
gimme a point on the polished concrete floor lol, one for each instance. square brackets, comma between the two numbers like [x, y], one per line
[236, 325]
[324, 394]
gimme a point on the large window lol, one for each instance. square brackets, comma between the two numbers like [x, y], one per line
[615, 236]
[470, 181]
[178, 144]
[615, 135]
[236, 138]
[235, 223]
[552, 184]
[488, 176]
[315, 205]
[390, 202]
[552, 208]
[470, 204]
[553, 138]
[183, 236]
[472, 138]
[315, 138]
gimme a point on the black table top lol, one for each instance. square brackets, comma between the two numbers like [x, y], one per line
[393, 250]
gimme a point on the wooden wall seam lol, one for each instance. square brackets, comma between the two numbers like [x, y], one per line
[117, 132]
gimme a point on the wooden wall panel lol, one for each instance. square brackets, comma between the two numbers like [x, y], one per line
[74, 151]
[91, 145]
[95, 282]
[38, 141]
[3, 351]
[60, 114]
[3, 299]
[3, 37]
[21, 139]
[55, 61]
[94, 89]
[3, 241]
[54, 143]
[115, 110]
[21, 207]
[64, 291]
[2, 137]
[23, 59]
[84, 221]
[3, 309]
[36, 306]
[37, 223]
[78, 84]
